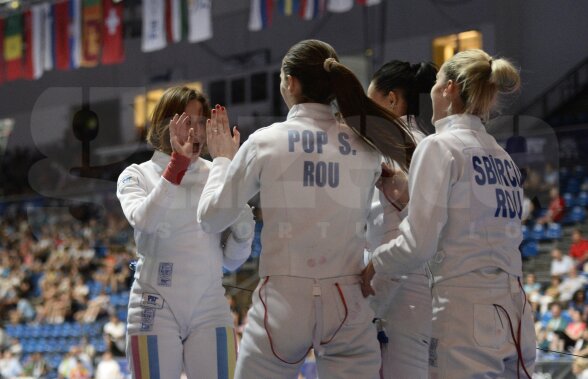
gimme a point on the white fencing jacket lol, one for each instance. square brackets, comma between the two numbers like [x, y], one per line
[163, 216]
[465, 206]
[316, 180]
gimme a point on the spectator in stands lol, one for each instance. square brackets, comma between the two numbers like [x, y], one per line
[555, 212]
[79, 370]
[556, 326]
[9, 365]
[574, 330]
[550, 177]
[36, 366]
[531, 285]
[578, 302]
[571, 283]
[551, 293]
[579, 247]
[108, 368]
[114, 335]
[528, 209]
[560, 264]
[581, 346]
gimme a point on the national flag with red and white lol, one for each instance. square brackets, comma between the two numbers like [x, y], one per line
[176, 20]
[339, 6]
[154, 36]
[311, 9]
[61, 48]
[13, 46]
[113, 51]
[200, 20]
[27, 71]
[91, 32]
[260, 14]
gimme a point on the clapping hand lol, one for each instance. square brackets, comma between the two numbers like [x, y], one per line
[181, 135]
[218, 135]
[394, 185]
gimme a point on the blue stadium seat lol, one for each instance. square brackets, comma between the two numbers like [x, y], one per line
[573, 186]
[526, 233]
[538, 233]
[582, 199]
[580, 172]
[554, 231]
[529, 249]
[578, 214]
[569, 200]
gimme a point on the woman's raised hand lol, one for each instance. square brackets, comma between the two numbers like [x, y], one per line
[181, 135]
[218, 135]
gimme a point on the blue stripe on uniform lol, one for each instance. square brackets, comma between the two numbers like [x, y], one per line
[222, 357]
[153, 357]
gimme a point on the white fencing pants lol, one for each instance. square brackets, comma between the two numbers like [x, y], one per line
[472, 335]
[406, 314]
[289, 315]
[160, 346]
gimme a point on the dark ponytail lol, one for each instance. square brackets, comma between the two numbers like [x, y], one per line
[323, 79]
[376, 125]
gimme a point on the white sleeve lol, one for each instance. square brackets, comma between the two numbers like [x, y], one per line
[430, 181]
[143, 210]
[238, 245]
[230, 185]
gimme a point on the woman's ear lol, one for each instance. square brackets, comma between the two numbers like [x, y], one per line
[451, 90]
[392, 98]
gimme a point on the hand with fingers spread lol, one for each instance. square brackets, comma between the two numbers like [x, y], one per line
[394, 185]
[218, 135]
[181, 135]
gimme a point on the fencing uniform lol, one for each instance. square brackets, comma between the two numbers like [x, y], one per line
[316, 179]
[464, 216]
[178, 316]
[402, 303]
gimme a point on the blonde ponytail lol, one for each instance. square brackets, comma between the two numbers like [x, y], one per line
[481, 78]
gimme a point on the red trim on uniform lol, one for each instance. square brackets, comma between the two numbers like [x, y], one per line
[344, 318]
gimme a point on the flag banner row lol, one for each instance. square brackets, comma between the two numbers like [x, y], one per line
[172, 21]
[69, 34]
[65, 35]
[261, 11]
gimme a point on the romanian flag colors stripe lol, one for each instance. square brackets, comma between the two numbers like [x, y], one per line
[226, 352]
[145, 357]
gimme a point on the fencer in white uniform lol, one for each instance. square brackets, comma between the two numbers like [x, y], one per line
[179, 319]
[316, 179]
[464, 216]
[402, 303]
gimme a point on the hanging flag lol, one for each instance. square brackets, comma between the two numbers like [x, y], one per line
[91, 32]
[153, 25]
[46, 36]
[1, 50]
[339, 6]
[176, 20]
[13, 46]
[200, 16]
[260, 14]
[75, 33]
[113, 51]
[289, 7]
[61, 48]
[311, 9]
[38, 39]
[27, 71]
